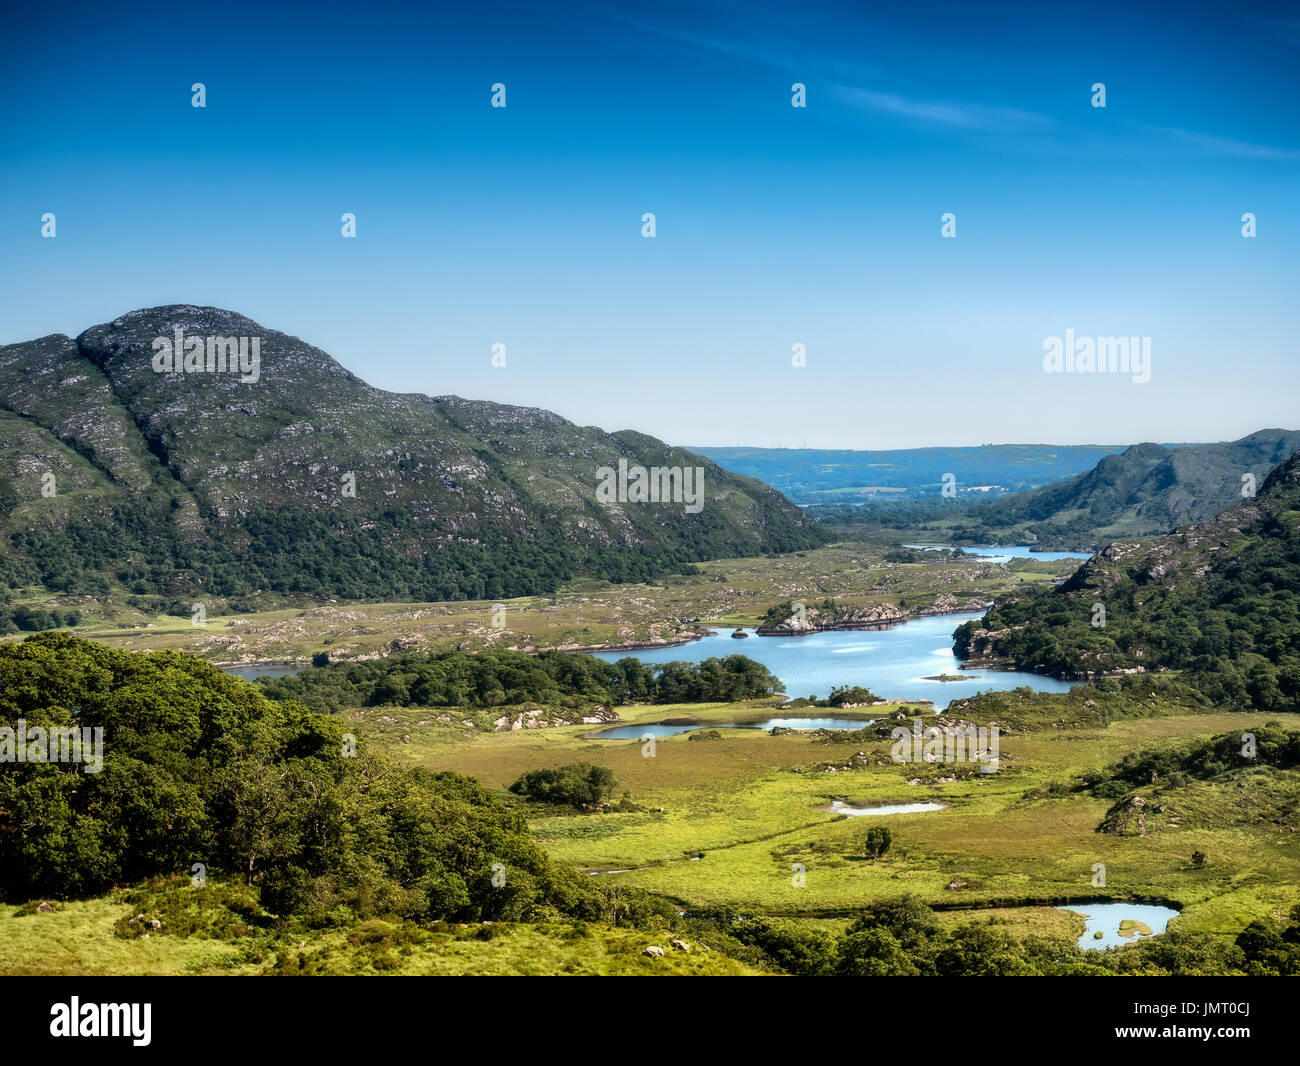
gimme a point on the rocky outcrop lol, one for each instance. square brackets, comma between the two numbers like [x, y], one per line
[546, 718]
[1127, 818]
[873, 616]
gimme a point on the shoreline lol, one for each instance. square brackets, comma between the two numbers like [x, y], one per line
[843, 627]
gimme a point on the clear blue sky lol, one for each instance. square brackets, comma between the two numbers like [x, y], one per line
[775, 225]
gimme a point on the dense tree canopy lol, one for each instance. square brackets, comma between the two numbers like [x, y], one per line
[200, 767]
[495, 677]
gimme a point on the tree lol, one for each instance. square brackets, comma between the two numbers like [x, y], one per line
[878, 841]
[579, 785]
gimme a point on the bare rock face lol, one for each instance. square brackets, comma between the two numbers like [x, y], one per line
[654, 952]
[948, 604]
[1127, 818]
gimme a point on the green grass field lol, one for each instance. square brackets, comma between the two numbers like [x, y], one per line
[733, 821]
[79, 939]
[727, 820]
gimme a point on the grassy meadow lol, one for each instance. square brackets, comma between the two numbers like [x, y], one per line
[725, 821]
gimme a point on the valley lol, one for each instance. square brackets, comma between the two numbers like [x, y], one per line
[761, 821]
[528, 717]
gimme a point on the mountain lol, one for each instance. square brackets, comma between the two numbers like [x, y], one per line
[1218, 600]
[200, 484]
[1147, 489]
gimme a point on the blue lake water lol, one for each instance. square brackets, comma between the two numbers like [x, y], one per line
[996, 553]
[893, 663]
[1107, 916]
[251, 673]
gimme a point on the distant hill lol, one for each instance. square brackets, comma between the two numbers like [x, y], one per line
[828, 476]
[1145, 490]
[1218, 600]
[188, 486]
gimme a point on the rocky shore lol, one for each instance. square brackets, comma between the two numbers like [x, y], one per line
[877, 616]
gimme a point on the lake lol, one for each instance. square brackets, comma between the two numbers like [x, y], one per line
[1106, 917]
[996, 553]
[662, 729]
[251, 673]
[854, 811]
[893, 663]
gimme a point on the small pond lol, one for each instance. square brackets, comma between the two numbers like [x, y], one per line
[855, 811]
[1107, 918]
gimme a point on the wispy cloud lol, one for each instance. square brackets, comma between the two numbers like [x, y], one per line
[777, 49]
[1226, 145]
[780, 51]
[943, 113]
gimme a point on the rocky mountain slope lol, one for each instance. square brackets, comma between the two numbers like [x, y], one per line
[308, 480]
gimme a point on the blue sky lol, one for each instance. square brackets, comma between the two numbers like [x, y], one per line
[775, 225]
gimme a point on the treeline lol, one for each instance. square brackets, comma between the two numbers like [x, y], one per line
[496, 677]
[136, 547]
[903, 937]
[910, 513]
[27, 619]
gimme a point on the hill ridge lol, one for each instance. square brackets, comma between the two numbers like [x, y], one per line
[245, 484]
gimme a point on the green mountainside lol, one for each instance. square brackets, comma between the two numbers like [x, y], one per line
[1219, 600]
[1146, 490]
[200, 485]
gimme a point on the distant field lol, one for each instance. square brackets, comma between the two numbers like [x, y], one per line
[810, 475]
